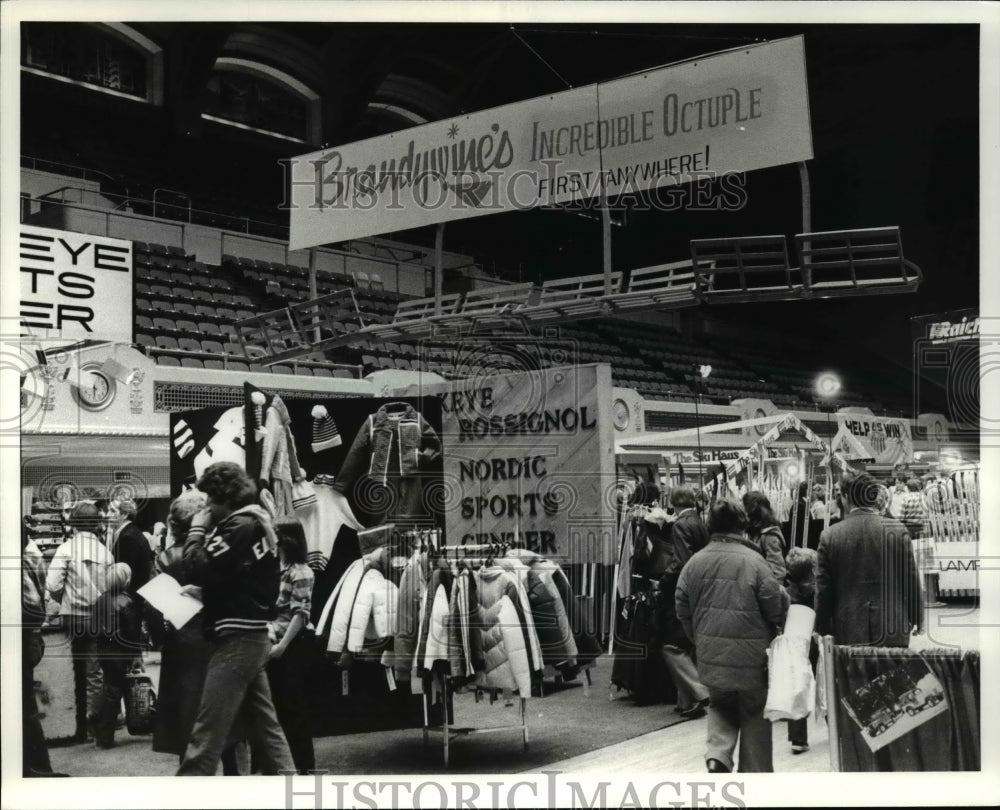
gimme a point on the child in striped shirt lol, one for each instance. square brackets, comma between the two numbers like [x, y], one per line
[291, 632]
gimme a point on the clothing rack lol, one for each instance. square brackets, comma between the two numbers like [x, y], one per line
[479, 554]
[449, 731]
[482, 552]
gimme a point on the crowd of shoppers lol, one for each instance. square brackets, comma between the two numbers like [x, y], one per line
[216, 702]
[732, 598]
[233, 685]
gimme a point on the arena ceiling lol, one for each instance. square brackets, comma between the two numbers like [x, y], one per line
[894, 108]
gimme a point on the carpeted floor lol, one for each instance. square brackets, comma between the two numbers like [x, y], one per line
[570, 721]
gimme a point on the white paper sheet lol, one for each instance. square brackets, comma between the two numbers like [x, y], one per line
[164, 593]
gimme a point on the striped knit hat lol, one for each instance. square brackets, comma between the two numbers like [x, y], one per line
[258, 399]
[325, 434]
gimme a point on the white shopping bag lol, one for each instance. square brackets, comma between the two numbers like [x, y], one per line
[791, 686]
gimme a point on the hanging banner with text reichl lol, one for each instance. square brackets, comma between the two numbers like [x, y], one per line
[737, 111]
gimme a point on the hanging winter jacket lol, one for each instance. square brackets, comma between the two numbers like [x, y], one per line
[653, 552]
[432, 640]
[548, 611]
[388, 445]
[465, 641]
[508, 633]
[412, 586]
[362, 608]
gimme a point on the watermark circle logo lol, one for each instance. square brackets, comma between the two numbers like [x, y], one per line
[965, 376]
[33, 389]
[371, 495]
[478, 360]
[55, 492]
[441, 494]
[134, 489]
[616, 494]
[561, 495]
[867, 492]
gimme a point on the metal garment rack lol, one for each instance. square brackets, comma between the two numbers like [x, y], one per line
[449, 730]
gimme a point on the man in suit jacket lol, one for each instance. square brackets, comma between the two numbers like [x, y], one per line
[130, 546]
[867, 590]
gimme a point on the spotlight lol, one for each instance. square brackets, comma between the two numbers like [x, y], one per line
[827, 384]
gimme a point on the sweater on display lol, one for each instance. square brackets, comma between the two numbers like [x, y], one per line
[323, 520]
[279, 463]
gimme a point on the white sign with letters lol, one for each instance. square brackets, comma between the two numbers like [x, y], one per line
[75, 286]
[736, 111]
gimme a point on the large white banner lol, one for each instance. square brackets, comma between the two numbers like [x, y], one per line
[873, 439]
[737, 111]
[74, 286]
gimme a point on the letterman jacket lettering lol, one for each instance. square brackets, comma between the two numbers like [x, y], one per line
[238, 570]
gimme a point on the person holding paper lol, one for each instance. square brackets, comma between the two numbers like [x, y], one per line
[184, 651]
[231, 555]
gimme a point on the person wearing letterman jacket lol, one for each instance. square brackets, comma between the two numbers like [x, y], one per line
[231, 563]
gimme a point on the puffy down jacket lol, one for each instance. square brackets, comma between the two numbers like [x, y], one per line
[510, 643]
[432, 641]
[548, 611]
[411, 593]
[465, 623]
[731, 606]
[362, 610]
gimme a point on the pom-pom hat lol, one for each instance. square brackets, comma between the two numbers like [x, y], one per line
[325, 433]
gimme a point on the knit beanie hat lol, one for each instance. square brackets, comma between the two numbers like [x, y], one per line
[258, 399]
[325, 434]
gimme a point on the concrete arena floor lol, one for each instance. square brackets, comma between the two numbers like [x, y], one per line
[573, 729]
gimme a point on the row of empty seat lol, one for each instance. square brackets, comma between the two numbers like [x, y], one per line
[659, 364]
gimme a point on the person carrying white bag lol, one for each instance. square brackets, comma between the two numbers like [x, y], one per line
[791, 692]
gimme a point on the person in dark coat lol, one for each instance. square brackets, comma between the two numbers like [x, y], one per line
[130, 546]
[689, 532]
[867, 589]
[731, 606]
[765, 532]
[116, 623]
[687, 535]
